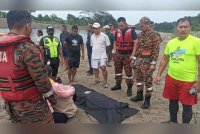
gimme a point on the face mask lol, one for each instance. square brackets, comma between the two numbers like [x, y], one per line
[51, 34]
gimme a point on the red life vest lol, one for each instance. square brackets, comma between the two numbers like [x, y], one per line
[15, 84]
[113, 32]
[126, 43]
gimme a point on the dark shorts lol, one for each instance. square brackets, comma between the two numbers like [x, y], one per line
[179, 90]
[65, 52]
[73, 62]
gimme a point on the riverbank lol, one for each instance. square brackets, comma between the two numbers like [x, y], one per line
[38, 25]
[157, 113]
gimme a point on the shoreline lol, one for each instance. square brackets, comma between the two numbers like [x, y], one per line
[38, 25]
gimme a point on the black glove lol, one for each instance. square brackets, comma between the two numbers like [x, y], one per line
[52, 99]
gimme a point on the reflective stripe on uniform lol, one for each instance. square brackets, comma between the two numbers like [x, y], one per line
[129, 77]
[139, 83]
[150, 89]
[118, 74]
[18, 88]
[16, 80]
[49, 93]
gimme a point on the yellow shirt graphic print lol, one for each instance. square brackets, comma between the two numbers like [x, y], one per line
[183, 61]
[177, 56]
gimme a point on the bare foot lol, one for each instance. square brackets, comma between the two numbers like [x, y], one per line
[69, 82]
[66, 69]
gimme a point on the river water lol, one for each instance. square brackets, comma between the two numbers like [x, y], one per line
[34, 37]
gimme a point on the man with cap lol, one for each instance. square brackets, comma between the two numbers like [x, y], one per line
[125, 48]
[52, 50]
[99, 42]
[145, 59]
[110, 47]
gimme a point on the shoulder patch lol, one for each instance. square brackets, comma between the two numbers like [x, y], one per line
[46, 41]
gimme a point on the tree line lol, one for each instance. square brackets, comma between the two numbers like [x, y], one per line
[104, 18]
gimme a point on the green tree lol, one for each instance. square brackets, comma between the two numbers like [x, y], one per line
[2, 14]
[46, 18]
[71, 19]
[102, 17]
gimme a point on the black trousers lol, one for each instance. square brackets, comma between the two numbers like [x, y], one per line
[173, 109]
[89, 53]
[59, 117]
[54, 63]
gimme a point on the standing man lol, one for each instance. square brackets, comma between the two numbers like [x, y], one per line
[24, 83]
[110, 47]
[65, 52]
[124, 49]
[75, 46]
[99, 41]
[113, 28]
[40, 35]
[89, 48]
[183, 55]
[145, 60]
[52, 50]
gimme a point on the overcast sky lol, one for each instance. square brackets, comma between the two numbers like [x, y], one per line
[133, 16]
[132, 10]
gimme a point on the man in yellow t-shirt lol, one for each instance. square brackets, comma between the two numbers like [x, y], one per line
[183, 55]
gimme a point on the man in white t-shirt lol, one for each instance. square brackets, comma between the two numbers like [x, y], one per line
[40, 35]
[99, 41]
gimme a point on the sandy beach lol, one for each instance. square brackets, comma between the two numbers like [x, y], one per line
[157, 113]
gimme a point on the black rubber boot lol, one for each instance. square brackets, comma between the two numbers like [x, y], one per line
[116, 87]
[146, 103]
[138, 97]
[129, 89]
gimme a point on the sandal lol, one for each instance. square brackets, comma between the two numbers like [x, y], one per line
[74, 80]
[105, 85]
[96, 82]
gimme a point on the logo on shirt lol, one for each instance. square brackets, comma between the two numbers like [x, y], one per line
[3, 57]
[176, 56]
[46, 41]
[74, 42]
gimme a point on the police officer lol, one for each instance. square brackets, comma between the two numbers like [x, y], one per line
[52, 50]
[125, 47]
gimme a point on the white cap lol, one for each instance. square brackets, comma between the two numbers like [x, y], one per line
[106, 27]
[96, 25]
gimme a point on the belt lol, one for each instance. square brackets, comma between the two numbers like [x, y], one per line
[144, 56]
[125, 52]
[18, 88]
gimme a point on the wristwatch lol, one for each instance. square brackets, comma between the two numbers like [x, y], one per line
[133, 57]
[153, 63]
